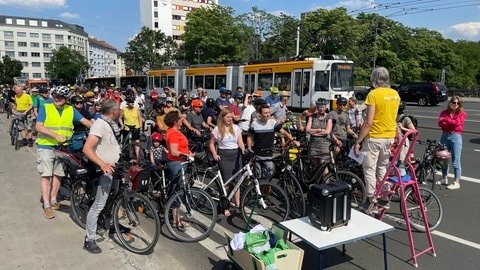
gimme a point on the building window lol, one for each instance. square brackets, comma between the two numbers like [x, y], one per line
[10, 53]
[24, 74]
[47, 55]
[34, 35]
[35, 54]
[24, 64]
[34, 44]
[36, 64]
[47, 45]
[44, 24]
[22, 44]
[21, 34]
[23, 54]
[33, 23]
[9, 21]
[37, 75]
[9, 44]
[59, 37]
[58, 45]
[155, 25]
[46, 36]
[155, 14]
[20, 21]
[8, 33]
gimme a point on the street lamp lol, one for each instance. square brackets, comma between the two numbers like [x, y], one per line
[198, 52]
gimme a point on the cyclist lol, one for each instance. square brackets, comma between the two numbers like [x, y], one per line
[130, 116]
[341, 125]
[102, 148]
[273, 98]
[208, 113]
[319, 127]
[24, 105]
[54, 126]
[279, 109]
[80, 131]
[222, 101]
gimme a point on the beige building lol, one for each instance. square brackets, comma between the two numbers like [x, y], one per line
[169, 16]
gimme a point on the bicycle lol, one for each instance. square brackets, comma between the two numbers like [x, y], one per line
[429, 164]
[261, 202]
[14, 133]
[133, 216]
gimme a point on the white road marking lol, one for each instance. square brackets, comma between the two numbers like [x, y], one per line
[464, 178]
[457, 239]
[476, 150]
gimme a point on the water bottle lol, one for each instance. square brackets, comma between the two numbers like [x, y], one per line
[401, 167]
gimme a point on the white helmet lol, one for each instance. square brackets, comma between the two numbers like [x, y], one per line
[60, 91]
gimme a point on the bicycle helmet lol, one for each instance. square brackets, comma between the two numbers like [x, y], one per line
[442, 154]
[169, 99]
[259, 102]
[238, 96]
[61, 91]
[257, 93]
[89, 94]
[210, 103]
[76, 99]
[222, 90]
[163, 95]
[130, 99]
[341, 100]
[229, 92]
[197, 103]
[321, 101]
[154, 96]
[284, 94]
[42, 90]
[274, 90]
[156, 136]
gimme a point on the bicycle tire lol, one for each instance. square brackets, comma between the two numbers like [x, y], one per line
[432, 205]
[16, 138]
[425, 175]
[276, 200]
[12, 138]
[135, 212]
[293, 188]
[198, 210]
[80, 202]
[359, 194]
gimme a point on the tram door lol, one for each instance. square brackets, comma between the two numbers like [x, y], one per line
[300, 96]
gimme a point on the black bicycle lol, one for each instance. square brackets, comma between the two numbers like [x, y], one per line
[137, 226]
[429, 164]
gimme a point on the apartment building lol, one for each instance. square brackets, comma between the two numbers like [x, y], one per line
[31, 41]
[103, 59]
[169, 16]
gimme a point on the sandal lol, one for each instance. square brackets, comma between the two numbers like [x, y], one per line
[181, 225]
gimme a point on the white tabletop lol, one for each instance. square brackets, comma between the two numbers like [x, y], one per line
[360, 226]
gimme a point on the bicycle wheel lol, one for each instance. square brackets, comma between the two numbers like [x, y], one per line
[136, 213]
[190, 217]
[359, 195]
[293, 188]
[267, 205]
[12, 138]
[431, 204]
[80, 202]
[426, 175]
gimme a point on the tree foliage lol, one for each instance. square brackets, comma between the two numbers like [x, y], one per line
[149, 49]
[66, 65]
[9, 68]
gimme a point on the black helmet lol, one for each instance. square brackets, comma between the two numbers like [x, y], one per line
[259, 102]
[341, 100]
[76, 99]
[229, 92]
[210, 103]
[238, 96]
[130, 99]
[321, 101]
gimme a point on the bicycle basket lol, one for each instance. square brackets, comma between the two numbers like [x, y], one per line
[442, 154]
[139, 177]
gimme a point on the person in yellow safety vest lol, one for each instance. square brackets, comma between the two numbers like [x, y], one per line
[54, 126]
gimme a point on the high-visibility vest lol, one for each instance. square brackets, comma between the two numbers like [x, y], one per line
[62, 125]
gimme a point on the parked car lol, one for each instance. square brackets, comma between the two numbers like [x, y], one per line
[362, 94]
[423, 93]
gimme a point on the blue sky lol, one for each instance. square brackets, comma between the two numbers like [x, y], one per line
[116, 21]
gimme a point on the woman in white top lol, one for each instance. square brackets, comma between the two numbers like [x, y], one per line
[228, 138]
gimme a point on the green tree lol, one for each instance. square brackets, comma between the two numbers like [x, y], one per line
[213, 35]
[66, 65]
[149, 49]
[9, 68]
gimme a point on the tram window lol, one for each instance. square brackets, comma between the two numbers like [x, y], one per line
[249, 82]
[283, 81]
[220, 80]
[209, 82]
[342, 76]
[199, 81]
[171, 82]
[321, 80]
[265, 81]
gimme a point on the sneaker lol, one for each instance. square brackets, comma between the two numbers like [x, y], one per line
[30, 143]
[123, 229]
[443, 182]
[454, 185]
[49, 214]
[385, 204]
[56, 206]
[91, 246]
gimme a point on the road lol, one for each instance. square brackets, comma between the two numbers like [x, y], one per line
[30, 241]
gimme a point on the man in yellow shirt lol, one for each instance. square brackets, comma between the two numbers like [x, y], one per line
[378, 131]
[23, 108]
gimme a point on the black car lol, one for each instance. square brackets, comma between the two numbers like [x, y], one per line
[423, 93]
[362, 94]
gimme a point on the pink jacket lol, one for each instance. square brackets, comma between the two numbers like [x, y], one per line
[452, 123]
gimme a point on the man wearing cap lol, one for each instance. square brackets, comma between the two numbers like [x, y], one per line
[222, 101]
[273, 98]
[341, 125]
[279, 109]
[195, 122]
[89, 100]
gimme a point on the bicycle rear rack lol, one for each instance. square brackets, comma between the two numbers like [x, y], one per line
[410, 180]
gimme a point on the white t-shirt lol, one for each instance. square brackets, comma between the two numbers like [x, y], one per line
[246, 115]
[229, 141]
[108, 149]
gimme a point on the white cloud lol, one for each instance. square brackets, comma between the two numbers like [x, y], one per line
[68, 15]
[467, 31]
[279, 12]
[34, 4]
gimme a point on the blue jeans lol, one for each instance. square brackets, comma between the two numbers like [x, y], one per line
[175, 170]
[453, 141]
[103, 190]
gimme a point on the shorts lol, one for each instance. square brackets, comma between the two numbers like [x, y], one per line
[135, 134]
[45, 163]
[24, 122]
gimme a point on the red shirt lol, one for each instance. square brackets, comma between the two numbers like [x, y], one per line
[174, 136]
[452, 122]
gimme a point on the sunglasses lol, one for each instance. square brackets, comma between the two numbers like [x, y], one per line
[454, 102]
[341, 104]
[79, 102]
